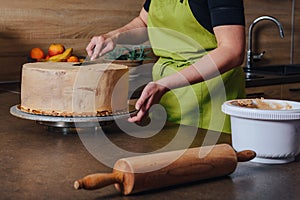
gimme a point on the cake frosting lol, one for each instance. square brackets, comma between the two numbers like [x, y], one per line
[61, 89]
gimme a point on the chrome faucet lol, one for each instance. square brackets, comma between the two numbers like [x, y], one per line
[249, 52]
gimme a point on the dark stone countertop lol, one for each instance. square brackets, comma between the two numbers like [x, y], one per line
[36, 163]
[263, 79]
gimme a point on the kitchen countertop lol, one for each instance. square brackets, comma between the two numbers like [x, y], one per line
[38, 163]
[263, 79]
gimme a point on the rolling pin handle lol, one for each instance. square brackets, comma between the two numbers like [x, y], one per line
[99, 180]
[245, 155]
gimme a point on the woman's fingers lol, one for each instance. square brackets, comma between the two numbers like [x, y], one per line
[89, 48]
[141, 106]
[94, 48]
[140, 115]
[151, 94]
[107, 47]
[141, 101]
[96, 51]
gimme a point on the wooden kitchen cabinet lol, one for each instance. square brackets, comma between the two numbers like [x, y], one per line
[267, 92]
[291, 91]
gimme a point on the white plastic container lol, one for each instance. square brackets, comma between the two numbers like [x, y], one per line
[273, 134]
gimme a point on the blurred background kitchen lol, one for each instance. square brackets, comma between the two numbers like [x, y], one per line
[35, 23]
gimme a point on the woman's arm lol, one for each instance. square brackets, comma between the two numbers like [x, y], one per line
[229, 54]
[134, 32]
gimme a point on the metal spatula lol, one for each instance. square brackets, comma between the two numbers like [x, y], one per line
[88, 61]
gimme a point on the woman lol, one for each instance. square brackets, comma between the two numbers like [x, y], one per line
[201, 44]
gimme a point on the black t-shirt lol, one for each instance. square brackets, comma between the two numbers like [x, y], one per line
[212, 13]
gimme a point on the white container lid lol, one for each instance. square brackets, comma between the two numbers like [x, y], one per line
[232, 108]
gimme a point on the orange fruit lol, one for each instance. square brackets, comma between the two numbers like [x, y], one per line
[73, 59]
[55, 49]
[37, 53]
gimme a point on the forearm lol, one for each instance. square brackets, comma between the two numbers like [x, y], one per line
[229, 54]
[135, 32]
[209, 66]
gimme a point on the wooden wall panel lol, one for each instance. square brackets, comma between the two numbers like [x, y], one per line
[266, 34]
[31, 23]
[297, 33]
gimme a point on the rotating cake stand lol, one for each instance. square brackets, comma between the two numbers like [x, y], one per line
[68, 124]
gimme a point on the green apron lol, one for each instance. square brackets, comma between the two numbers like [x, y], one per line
[179, 40]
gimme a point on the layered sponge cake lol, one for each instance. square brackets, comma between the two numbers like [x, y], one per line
[62, 89]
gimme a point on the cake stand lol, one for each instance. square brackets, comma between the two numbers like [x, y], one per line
[69, 124]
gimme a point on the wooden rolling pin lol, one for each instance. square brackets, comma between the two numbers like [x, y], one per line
[147, 172]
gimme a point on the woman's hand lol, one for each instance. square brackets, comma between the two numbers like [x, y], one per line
[132, 33]
[99, 45]
[151, 95]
